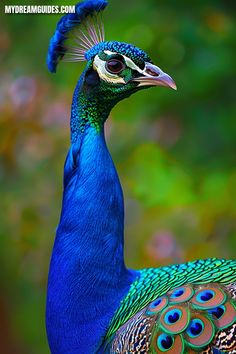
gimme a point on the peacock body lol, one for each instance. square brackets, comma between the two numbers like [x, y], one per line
[94, 303]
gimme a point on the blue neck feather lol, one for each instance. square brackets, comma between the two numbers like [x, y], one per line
[87, 277]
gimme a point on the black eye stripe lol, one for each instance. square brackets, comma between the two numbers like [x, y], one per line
[105, 56]
[118, 57]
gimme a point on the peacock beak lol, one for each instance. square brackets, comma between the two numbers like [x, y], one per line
[152, 75]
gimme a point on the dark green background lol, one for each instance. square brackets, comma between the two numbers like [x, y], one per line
[175, 151]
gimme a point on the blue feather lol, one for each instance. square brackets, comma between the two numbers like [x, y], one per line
[68, 22]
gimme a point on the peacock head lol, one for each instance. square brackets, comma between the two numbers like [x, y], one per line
[114, 70]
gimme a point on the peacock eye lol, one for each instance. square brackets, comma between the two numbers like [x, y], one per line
[114, 66]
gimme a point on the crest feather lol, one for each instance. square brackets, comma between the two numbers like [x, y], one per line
[77, 33]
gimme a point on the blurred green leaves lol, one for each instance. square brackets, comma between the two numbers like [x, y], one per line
[156, 180]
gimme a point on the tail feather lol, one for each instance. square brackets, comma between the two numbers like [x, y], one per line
[188, 319]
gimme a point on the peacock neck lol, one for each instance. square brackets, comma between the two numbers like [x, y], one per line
[87, 269]
[88, 110]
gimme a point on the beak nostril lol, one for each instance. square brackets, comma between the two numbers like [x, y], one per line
[152, 75]
[152, 72]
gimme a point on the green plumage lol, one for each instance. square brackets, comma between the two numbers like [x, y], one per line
[186, 308]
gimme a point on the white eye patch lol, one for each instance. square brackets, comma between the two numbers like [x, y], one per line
[100, 66]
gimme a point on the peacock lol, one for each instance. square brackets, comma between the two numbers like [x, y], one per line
[95, 304]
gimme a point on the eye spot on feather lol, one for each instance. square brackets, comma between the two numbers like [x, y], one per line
[209, 298]
[195, 328]
[178, 293]
[181, 294]
[217, 312]
[157, 302]
[206, 295]
[200, 331]
[175, 319]
[165, 342]
[224, 315]
[157, 305]
[172, 316]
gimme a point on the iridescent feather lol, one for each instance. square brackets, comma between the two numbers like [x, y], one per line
[188, 308]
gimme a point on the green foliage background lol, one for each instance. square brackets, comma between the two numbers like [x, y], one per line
[175, 151]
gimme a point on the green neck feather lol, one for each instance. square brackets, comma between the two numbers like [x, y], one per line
[93, 100]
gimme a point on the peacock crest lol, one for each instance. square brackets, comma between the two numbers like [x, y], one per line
[77, 33]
